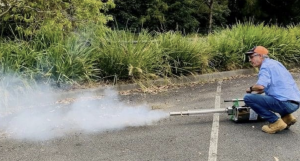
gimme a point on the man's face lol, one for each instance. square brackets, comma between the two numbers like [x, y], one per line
[255, 59]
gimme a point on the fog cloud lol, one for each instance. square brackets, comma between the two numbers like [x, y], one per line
[40, 113]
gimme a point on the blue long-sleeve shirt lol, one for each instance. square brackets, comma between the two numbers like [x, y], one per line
[277, 81]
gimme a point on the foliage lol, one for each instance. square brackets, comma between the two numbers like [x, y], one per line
[164, 15]
[270, 11]
[18, 57]
[181, 15]
[136, 14]
[184, 55]
[230, 44]
[28, 16]
[67, 41]
[123, 55]
[93, 53]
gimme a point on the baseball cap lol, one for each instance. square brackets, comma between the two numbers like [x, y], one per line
[258, 49]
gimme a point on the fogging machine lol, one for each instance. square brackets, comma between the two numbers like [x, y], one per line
[236, 112]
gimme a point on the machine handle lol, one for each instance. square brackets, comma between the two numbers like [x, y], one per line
[233, 100]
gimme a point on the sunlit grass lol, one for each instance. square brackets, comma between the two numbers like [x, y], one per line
[230, 44]
[95, 53]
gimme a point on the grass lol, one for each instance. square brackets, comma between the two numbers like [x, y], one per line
[94, 53]
[125, 55]
[184, 55]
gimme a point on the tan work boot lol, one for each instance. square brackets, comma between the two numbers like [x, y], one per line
[274, 127]
[289, 120]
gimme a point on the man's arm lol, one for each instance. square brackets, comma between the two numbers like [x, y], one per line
[259, 89]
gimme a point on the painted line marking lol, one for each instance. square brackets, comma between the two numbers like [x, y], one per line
[213, 145]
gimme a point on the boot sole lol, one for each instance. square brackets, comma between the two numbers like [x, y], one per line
[290, 124]
[274, 132]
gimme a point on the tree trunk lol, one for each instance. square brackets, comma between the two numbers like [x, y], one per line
[210, 5]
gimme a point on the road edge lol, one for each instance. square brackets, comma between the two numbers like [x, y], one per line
[161, 82]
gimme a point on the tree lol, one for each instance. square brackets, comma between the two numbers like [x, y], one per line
[163, 15]
[270, 11]
[27, 16]
[182, 15]
[137, 14]
[210, 4]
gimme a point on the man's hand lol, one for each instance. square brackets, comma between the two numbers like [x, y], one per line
[248, 90]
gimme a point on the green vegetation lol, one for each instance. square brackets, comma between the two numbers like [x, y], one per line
[230, 43]
[94, 53]
[27, 17]
[200, 16]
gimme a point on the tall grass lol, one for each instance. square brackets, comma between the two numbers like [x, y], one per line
[125, 55]
[18, 57]
[95, 53]
[184, 55]
[230, 44]
[70, 61]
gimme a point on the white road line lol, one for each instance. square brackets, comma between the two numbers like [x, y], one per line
[213, 147]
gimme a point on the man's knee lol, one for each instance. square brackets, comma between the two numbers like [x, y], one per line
[248, 98]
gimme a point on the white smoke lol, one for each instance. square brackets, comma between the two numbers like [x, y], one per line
[37, 115]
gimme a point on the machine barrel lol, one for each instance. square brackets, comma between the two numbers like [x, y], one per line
[196, 112]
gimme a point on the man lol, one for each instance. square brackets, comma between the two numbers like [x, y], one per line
[282, 95]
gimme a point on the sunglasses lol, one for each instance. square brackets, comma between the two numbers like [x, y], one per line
[252, 56]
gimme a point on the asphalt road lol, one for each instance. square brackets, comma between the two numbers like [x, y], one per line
[185, 138]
